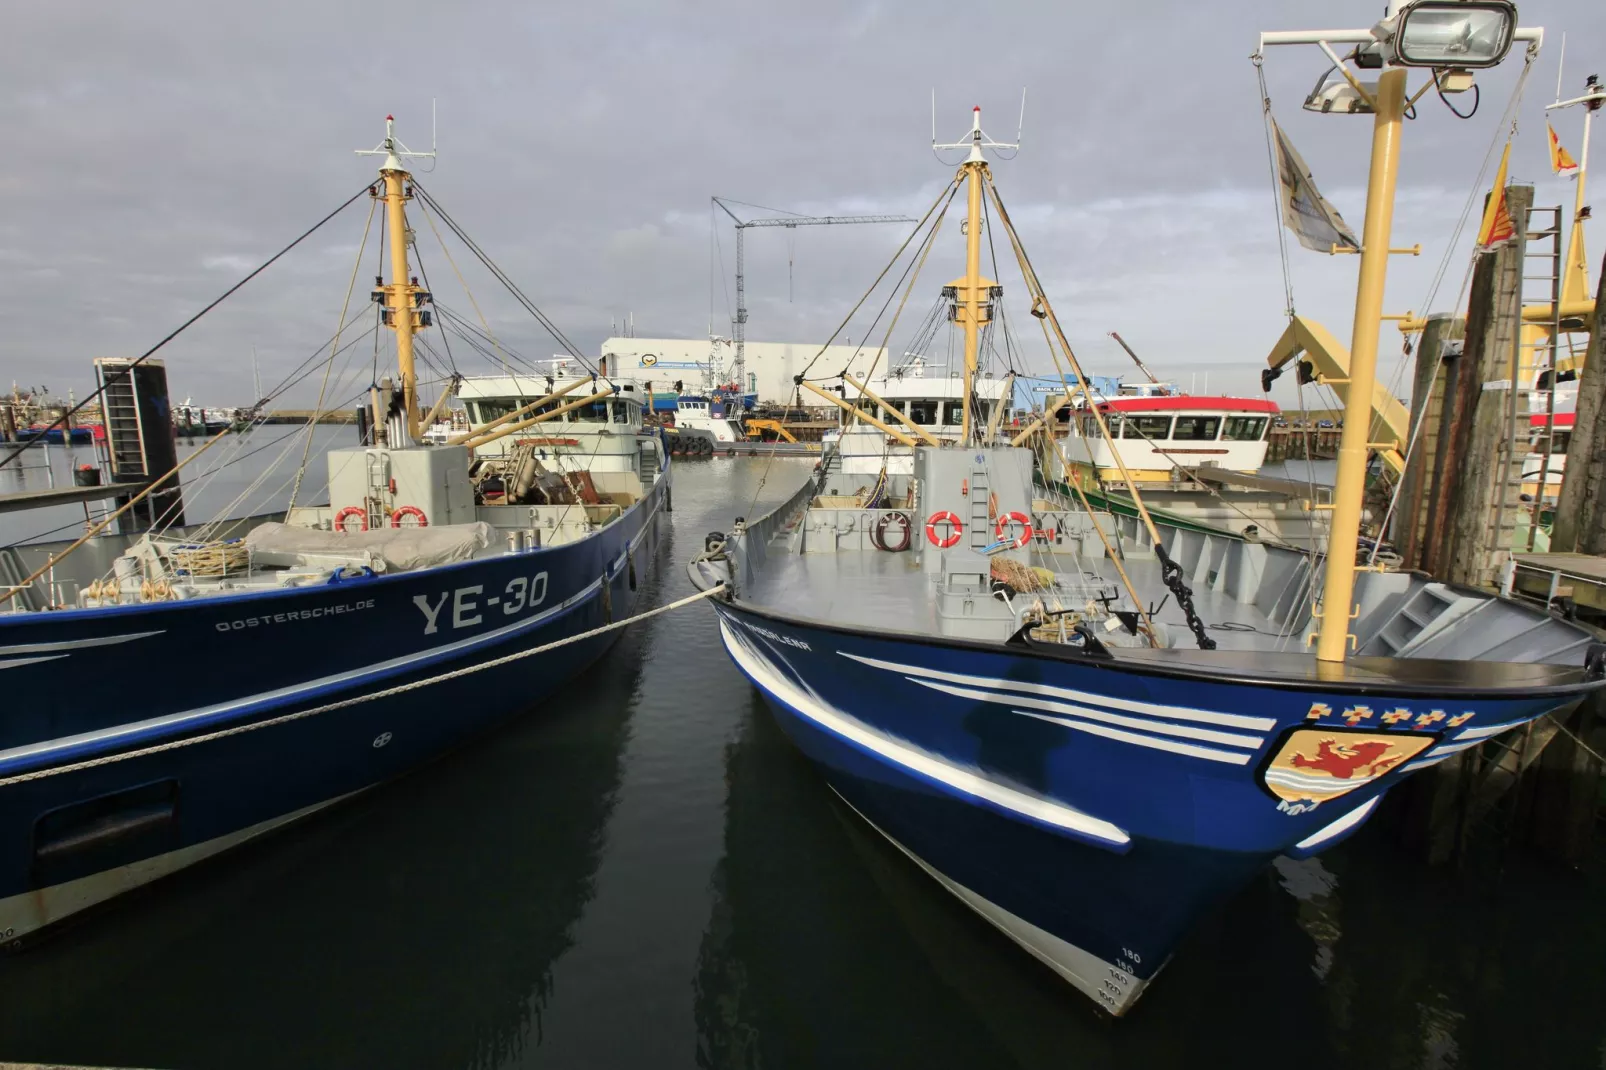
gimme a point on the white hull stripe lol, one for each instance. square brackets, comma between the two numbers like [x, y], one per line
[1176, 713]
[33, 751]
[1342, 825]
[907, 756]
[1208, 735]
[1192, 750]
[1291, 779]
[1491, 730]
[1446, 749]
[17, 663]
[74, 644]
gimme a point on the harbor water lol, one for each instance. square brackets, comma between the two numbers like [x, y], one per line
[642, 872]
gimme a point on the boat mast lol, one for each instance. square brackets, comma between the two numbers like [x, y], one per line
[971, 314]
[1396, 43]
[400, 295]
[973, 294]
[1338, 588]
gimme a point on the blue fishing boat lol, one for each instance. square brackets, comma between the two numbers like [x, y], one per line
[177, 692]
[998, 678]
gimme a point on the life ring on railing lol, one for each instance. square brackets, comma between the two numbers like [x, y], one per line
[894, 522]
[346, 514]
[420, 520]
[1025, 523]
[944, 516]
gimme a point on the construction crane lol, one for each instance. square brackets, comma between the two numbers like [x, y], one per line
[739, 323]
[1122, 342]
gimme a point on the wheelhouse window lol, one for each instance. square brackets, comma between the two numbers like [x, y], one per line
[1090, 425]
[1150, 427]
[1245, 428]
[953, 413]
[488, 409]
[923, 412]
[1196, 428]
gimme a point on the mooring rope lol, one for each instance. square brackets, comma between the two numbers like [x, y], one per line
[94, 763]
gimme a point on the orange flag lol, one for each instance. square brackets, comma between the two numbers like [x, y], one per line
[1561, 161]
[1497, 226]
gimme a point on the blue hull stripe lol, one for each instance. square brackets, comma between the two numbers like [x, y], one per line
[951, 779]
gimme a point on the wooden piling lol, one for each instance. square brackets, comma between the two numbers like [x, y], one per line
[1438, 354]
[1581, 510]
[1480, 517]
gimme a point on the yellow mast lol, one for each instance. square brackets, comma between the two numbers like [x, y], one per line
[402, 311]
[972, 314]
[1338, 588]
[972, 294]
[1575, 278]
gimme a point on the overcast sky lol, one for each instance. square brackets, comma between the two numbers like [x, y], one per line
[156, 152]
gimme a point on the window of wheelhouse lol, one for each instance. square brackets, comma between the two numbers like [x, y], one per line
[1196, 428]
[484, 410]
[1244, 428]
[1149, 427]
[953, 413]
[923, 412]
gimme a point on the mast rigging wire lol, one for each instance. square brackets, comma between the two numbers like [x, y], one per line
[125, 372]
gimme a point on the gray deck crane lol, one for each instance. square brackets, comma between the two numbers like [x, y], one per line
[739, 323]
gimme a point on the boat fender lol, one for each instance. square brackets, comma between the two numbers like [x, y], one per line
[1025, 523]
[713, 541]
[421, 521]
[1595, 661]
[347, 513]
[899, 525]
[347, 575]
[944, 516]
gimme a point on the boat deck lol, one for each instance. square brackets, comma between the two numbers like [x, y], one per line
[873, 588]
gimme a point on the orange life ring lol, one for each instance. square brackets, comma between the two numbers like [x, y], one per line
[351, 511]
[944, 516]
[409, 510]
[1025, 523]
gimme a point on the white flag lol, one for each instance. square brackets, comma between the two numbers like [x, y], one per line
[1306, 212]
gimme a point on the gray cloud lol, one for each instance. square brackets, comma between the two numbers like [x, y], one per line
[155, 152]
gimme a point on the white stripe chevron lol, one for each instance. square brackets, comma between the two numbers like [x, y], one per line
[75, 644]
[1193, 750]
[1153, 709]
[1490, 730]
[1209, 735]
[1343, 824]
[16, 663]
[901, 752]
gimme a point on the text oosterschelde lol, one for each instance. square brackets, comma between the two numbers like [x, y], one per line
[292, 615]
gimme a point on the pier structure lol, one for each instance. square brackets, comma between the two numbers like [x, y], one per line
[1463, 514]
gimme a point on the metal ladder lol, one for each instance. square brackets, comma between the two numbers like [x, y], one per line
[979, 524]
[1540, 283]
[125, 437]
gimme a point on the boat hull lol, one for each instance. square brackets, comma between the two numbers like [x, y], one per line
[99, 794]
[1090, 815]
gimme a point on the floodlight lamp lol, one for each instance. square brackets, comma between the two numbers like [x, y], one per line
[1464, 34]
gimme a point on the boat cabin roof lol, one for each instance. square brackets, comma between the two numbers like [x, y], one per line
[1188, 403]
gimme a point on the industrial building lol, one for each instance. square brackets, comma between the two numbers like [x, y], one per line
[771, 366]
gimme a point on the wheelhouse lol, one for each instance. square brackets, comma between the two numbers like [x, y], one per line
[1154, 436]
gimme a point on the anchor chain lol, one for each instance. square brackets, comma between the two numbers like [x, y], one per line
[1171, 573]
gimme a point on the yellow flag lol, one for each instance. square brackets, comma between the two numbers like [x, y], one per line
[1497, 226]
[1561, 161]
